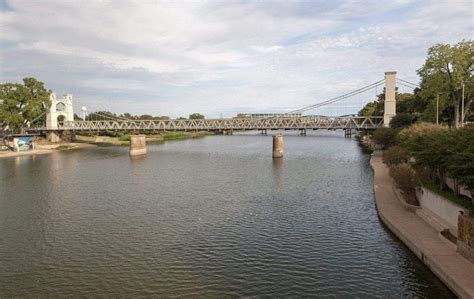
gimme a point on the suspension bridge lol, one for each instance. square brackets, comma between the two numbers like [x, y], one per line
[293, 120]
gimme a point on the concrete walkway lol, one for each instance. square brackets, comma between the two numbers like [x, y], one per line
[454, 270]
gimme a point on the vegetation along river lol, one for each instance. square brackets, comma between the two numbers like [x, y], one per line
[208, 217]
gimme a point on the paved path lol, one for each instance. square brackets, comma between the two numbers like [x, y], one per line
[454, 270]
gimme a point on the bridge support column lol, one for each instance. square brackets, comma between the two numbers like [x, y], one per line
[390, 105]
[277, 146]
[137, 145]
[348, 132]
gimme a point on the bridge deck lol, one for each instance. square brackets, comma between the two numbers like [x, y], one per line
[346, 122]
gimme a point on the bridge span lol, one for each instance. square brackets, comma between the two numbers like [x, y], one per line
[225, 124]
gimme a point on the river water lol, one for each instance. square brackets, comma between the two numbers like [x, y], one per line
[208, 217]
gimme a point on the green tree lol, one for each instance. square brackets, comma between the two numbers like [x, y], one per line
[386, 137]
[163, 117]
[444, 71]
[395, 155]
[431, 147]
[23, 104]
[196, 116]
[461, 164]
[102, 115]
[401, 120]
[407, 181]
[145, 117]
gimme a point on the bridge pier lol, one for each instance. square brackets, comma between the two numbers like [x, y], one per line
[348, 132]
[263, 132]
[277, 146]
[302, 132]
[137, 145]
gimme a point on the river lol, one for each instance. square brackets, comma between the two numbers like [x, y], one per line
[207, 217]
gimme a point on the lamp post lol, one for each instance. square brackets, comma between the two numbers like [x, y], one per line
[437, 108]
[462, 105]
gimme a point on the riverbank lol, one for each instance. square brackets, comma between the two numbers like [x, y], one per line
[43, 147]
[443, 260]
[46, 149]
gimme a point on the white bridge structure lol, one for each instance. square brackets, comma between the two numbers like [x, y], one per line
[226, 124]
[293, 120]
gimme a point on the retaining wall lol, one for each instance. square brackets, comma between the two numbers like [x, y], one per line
[445, 209]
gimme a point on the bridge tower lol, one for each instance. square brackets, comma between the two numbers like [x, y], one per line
[60, 110]
[390, 105]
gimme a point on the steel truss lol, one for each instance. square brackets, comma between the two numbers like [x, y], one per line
[290, 123]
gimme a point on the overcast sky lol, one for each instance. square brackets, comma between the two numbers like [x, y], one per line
[221, 58]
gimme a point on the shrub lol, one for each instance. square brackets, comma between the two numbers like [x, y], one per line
[407, 136]
[406, 180]
[385, 137]
[124, 138]
[395, 155]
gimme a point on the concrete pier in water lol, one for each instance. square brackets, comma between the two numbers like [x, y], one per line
[277, 146]
[137, 145]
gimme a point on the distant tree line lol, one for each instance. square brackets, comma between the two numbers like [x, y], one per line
[107, 115]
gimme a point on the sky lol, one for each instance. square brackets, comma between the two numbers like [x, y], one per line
[220, 58]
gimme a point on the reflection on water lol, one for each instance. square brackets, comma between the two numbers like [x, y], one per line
[208, 217]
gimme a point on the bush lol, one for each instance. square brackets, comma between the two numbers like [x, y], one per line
[401, 120]
[395, 155]
[406, 180]
[385, 137]
[124, 138]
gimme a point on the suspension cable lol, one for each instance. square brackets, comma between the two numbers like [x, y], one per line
[339, 98]
[407, 82]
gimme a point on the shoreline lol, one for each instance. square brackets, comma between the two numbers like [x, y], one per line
[47, 149]
[456, 272]
[95, 141]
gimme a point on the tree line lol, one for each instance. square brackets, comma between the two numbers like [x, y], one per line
[107, 115]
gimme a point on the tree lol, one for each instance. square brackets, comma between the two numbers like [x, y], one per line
[196, 116]
[163, 117]
[145, 117]
[395, 155]
[444, 71]
[385, 137]
[401, 120]
[431, 146]
[101, 115]
[461, 164]
[407, 181]
[22, 104]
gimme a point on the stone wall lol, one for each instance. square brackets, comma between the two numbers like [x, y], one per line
[466, 237]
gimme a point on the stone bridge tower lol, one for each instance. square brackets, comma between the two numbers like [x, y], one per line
[60, 110]
[390, 105]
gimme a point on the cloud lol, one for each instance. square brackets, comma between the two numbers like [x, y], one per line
[181, 57]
